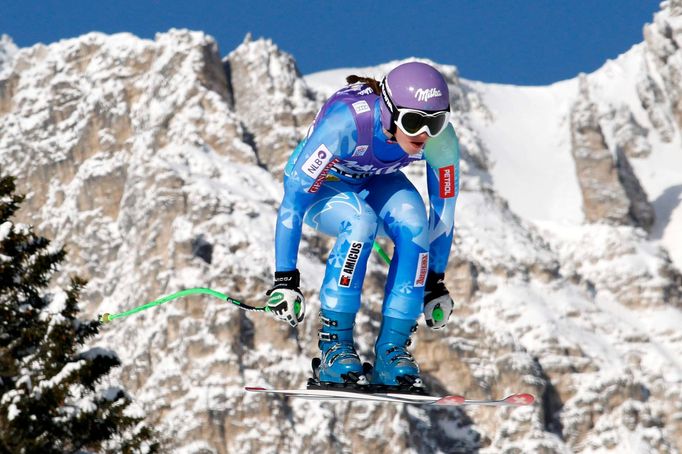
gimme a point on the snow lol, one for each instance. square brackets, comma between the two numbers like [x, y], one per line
[5, 229]
[13, 412]
[530, 142]
[7, 52]
[66, 371]
[98, 352]
[528, 137]
[613, 85]
[57, 301]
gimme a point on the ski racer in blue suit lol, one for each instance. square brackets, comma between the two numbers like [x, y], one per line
[344, 180]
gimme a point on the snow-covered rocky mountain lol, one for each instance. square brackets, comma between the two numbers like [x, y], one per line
[157, 165]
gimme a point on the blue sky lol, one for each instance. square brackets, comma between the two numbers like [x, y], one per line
[524, 42]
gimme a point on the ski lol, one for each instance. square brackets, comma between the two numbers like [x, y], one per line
[413, 399]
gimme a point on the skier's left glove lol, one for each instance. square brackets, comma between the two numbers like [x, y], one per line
[437, 302]
[285, 299]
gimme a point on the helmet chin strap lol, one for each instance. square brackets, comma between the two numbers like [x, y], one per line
[389, 104]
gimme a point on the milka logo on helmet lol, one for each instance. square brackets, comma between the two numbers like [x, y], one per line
[424, 95]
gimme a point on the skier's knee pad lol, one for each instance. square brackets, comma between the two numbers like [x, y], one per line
[412, 228]
[363, 226]
[339, 299]
[404, 306]
[343, 214]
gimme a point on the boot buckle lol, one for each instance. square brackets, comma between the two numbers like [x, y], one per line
[328, 321]
[327, 337]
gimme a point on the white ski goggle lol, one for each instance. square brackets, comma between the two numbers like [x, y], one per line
[414, 122]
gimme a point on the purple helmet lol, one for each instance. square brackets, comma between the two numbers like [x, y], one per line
[412, 85]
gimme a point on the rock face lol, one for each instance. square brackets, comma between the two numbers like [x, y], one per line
[611, 191]
[664, 39]
[271, 98]
[654, 102]
[7, 51]
[157, 165]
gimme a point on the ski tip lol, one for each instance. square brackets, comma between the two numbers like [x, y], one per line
[520, 399]
[450, 400]
[254, 388]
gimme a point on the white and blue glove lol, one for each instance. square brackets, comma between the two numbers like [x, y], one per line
[285, 300]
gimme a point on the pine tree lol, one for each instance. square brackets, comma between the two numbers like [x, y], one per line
[51, 397]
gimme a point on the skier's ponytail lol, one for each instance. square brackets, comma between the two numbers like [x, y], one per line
[373, 83]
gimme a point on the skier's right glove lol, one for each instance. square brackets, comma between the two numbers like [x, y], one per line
[437, 302]
[285, 300]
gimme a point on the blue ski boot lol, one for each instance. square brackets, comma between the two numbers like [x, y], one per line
[339, 365]
[395, 370]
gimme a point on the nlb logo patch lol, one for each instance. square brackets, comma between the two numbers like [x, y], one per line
[315, 164]
[348, 268]
[447, 182]
[422, 269]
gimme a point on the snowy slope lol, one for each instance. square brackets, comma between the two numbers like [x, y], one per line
[529, 138]
[527, 133]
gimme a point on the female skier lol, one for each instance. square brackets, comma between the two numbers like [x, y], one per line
[344, 179]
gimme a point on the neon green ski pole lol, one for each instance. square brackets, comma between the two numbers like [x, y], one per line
[107, 317]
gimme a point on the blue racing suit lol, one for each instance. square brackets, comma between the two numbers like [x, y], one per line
[344, 180]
